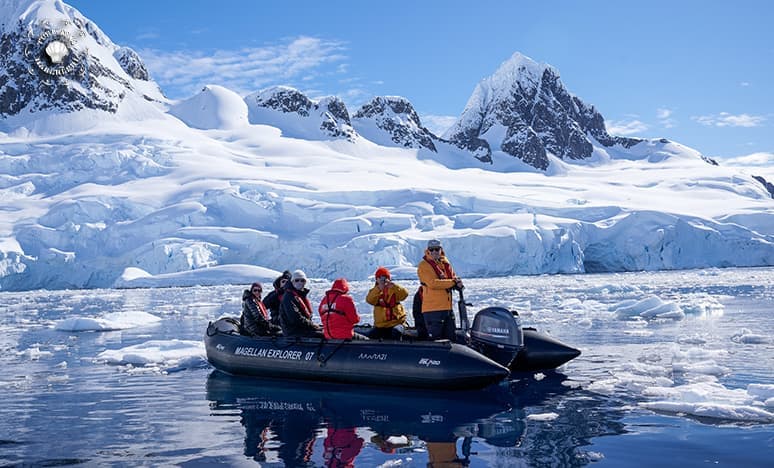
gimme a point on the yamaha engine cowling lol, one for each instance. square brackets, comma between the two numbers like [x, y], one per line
[497, 334]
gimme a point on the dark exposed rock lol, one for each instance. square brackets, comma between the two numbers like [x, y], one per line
[331, 111]
[335, 118]
[768, 185]
[131, 63]
[398, 119]
[286, 100]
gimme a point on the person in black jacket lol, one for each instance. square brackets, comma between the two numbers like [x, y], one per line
[255, 319]
[296, 310]
[273, 300]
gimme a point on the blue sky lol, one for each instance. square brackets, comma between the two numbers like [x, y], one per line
[696, 72]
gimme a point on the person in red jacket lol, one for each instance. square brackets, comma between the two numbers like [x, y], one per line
[341, 445]
[338, 313]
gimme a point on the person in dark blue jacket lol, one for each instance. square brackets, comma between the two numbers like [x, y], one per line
[274, 298]
[296, 310]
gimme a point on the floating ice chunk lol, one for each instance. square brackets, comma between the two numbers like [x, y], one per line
[703, 307]
[649, 308]
[542, 417]
[34, 353]
[703, 367]
[762, 392]
[692, 339]
[713, 400]
[169, 355]
[112, 321]
[714, 411]
[647, 369]
[745, 336]
[595, 456]
[697, 354]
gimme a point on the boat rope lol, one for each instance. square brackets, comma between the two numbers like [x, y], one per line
[322, 358]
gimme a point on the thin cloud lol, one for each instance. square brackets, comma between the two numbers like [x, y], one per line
[664, 117]
[724, 119]
[760, 159]
[182, 73]
[438, 124]
[625, 127]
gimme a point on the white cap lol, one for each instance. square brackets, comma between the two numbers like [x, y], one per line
[298, 274]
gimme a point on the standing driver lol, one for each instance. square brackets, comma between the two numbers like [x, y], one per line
[437, 279]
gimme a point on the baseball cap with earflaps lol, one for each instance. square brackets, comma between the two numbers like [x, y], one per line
[433, 243]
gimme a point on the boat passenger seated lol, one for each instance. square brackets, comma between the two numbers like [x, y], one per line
[389, 314]
[338, 313]
[255, 318]
[295, 309]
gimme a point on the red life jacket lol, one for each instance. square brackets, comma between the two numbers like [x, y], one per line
[262, 308]
[306, 307]
[388, 302]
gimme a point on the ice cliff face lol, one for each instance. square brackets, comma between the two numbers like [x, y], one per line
[392, 121]
[300, 117]
[525, 111]
[55, 61]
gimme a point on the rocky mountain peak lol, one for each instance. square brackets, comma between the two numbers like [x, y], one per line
[299, 116]
[525, 111]
[55, 61]
[396, 118]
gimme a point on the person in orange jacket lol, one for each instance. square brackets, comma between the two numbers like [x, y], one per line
[437, 279]
[338, 312]
[389, 314]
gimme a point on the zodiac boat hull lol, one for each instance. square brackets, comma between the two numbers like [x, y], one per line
[421, 364]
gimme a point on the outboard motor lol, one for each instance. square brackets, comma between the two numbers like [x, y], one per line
[497, 334]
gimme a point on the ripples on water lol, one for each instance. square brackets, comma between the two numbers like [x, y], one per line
[63, 406]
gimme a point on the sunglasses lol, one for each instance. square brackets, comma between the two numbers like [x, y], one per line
[302, 281]
[257, 290]
[434, 249]
[283, 281]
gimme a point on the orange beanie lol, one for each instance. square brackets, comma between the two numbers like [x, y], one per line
[382, 271]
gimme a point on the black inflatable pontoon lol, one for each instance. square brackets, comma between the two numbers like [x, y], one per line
[495, 346]
[433, 364]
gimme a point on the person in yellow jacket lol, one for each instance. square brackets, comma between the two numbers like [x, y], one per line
[437, 279]
[389, 314]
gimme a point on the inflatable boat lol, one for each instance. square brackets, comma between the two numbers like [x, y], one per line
[495, 346]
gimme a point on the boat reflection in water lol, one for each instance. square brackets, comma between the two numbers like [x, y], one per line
[284, 419]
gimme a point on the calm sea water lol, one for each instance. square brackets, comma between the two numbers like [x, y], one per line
[64, 406]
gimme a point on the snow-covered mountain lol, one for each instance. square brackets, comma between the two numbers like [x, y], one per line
[55, 62]
[103, 182]
[300, 117]
[524, 110]
[213, 108]
[392, 121]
